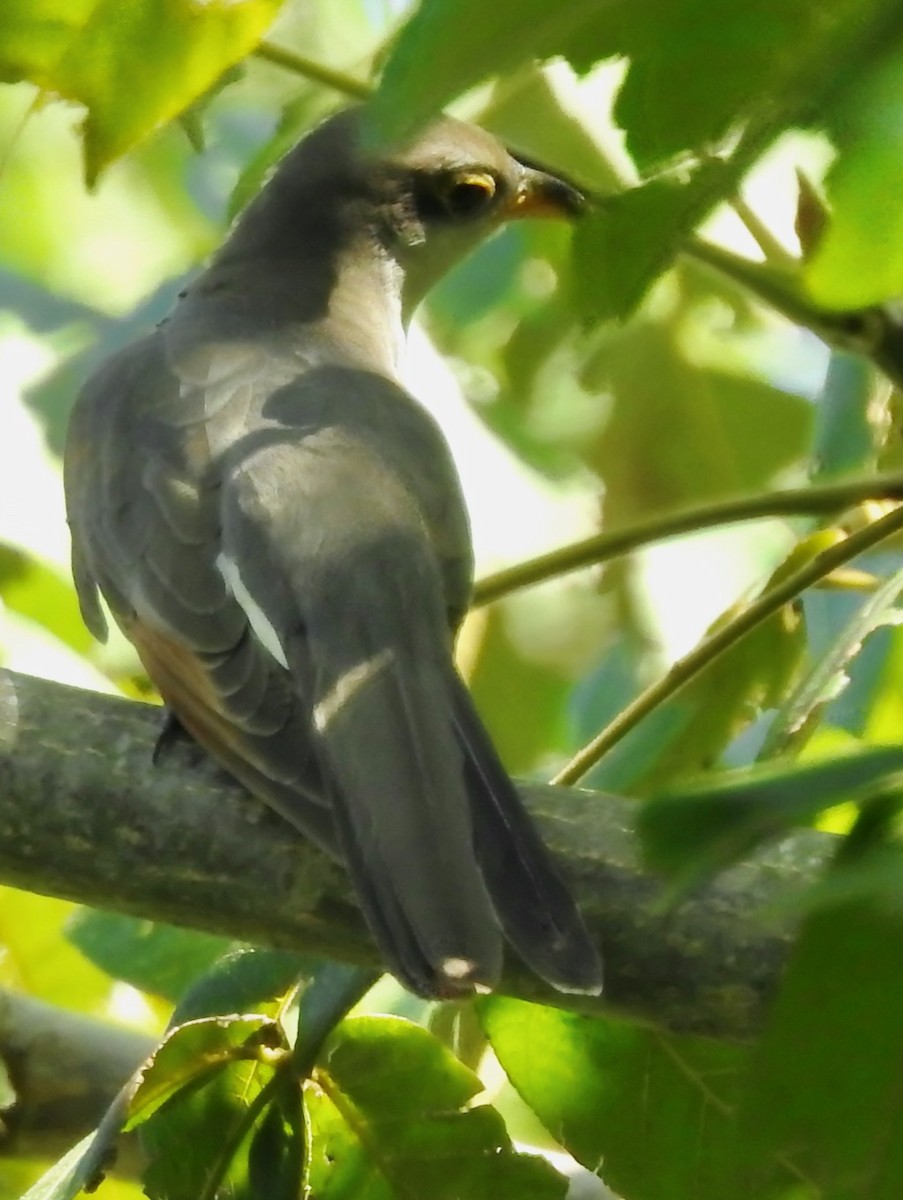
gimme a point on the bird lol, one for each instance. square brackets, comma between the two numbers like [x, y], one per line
[278, 527]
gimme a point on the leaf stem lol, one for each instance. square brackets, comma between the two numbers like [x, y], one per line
[315, 71]
[825, 498]
[708, 650]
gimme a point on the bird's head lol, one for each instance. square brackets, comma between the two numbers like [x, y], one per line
[424, 203]
[451, 186]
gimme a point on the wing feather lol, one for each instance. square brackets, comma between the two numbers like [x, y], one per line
[145, 521]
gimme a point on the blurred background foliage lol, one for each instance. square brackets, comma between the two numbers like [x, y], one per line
[589, 380]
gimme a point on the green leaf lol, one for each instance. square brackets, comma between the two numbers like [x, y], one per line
[276, 1153]
[248, 979]
[191, 1053]
[698, 67]
[7, 1091]
[726, 696]
[390, 1119]
[694, 832]
[859, 260]
[799, 708]
[528, 114]
[330, 992]
[687, 90]
[621, 248]
[378, 1059]
[523, 702]
[83, 1168]
[134, 66]
[444, 49]
[35, 956]
[38, 592]
[149, 955]
[68, 1177]
[825, 1081]
[727, 431]
[616, 1096]
[202, 1101]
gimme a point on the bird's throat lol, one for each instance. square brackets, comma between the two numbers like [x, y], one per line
[366, 314]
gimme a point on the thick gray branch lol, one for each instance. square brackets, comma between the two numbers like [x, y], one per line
[84, 815]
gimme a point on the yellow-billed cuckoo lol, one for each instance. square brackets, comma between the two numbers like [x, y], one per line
[278, 527]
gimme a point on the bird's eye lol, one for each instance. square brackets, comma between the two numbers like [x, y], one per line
[468, 194]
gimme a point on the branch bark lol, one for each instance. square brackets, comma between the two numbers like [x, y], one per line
[86, 816]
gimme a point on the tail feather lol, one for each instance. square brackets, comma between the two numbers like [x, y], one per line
[395, 775]
[533, 905]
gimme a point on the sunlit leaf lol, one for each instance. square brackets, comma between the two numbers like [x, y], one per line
[390, 1119]
[195, 1051]
[67, 1178]
[692, 832]
[859, 260]
[133, 66]
[201, 1102]
[31, 588]
[825, 1082]
[799, 709]
[613, 1094]
[35, 957]
[444, 49]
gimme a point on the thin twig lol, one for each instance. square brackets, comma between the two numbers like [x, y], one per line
[692, 664]
[825, 498]
[874, 332]
[315, 71]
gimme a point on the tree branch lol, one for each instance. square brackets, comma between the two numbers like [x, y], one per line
[65, 1069]
[84, 815]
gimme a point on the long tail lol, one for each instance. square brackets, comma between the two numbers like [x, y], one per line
[535, 909]
[395, 772]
